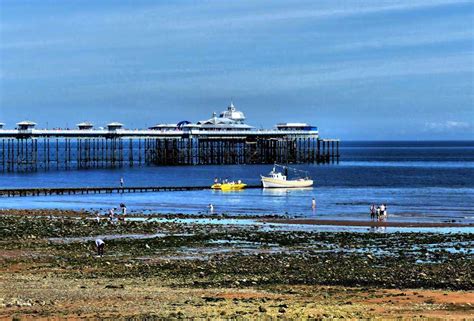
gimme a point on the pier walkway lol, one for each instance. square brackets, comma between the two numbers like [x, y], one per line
[100, 190]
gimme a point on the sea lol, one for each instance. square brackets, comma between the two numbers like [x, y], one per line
[423, 181]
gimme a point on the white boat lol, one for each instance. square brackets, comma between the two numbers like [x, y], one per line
[277, 179]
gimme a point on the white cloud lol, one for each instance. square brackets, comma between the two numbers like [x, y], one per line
[213, 14]
[448, 125]
[247, 18]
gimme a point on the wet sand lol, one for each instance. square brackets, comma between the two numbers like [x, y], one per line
[270, 218]
[365, 223]
[92, 214]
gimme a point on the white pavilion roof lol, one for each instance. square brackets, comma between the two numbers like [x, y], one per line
[26, 123]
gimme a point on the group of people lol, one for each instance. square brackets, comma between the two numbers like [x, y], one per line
[113, 216]
[121, 216]
[378, 212]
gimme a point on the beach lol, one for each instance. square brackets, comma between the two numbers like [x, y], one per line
[167, 267]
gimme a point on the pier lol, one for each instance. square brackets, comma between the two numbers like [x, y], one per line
[216, 141]
[70, 149]
[58, 150]
[19, 192]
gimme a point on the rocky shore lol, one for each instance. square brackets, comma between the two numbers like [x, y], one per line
[167, 268]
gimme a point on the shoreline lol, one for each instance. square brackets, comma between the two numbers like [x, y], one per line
[131, 215]
[349, 223]
[269, 218]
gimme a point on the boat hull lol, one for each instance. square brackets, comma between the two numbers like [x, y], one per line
[276, 183]
[232, 187]
[228, 187]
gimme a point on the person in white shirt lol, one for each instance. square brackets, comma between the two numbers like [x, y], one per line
[382, 211]
[112, 214]
[100, 244]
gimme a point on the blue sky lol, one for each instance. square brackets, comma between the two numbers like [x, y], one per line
[357, 69]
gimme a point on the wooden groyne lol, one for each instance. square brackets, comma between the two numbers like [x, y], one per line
[18, 192]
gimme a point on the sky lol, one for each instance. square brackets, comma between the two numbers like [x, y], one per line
[359, 70]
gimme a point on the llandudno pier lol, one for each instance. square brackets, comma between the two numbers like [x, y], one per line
[222, 139]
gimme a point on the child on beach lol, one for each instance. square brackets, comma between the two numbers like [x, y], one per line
[112, 215]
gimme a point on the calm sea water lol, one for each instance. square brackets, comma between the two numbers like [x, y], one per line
[422, 181]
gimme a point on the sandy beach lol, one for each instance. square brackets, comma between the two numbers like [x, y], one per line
[169, 269]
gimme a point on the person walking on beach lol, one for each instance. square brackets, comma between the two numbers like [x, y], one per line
[121, 182]
[211, 208]
[378, 213]
[313, 203]
[382, 211]
[372, 212]
[100, 244]
[124, 211]
[112, 214]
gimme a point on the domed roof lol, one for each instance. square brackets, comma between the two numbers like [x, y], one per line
[233, 114]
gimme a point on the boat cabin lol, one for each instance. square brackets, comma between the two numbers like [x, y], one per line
[277, 175]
